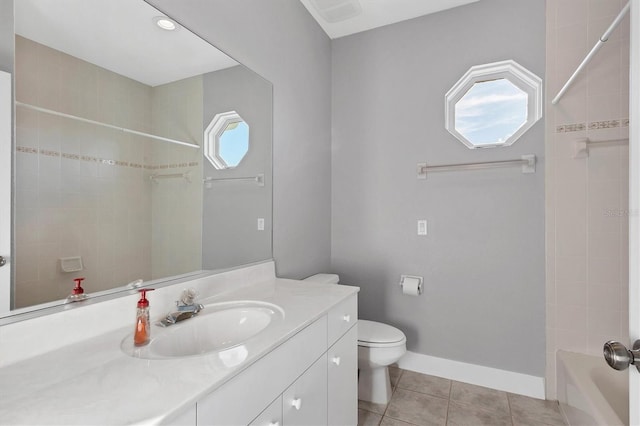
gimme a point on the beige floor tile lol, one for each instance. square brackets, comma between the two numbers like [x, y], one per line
[488, 399]
[394, 375]
[388, 421]
[367, 418]
[371, 406]
[431, 385]
[473, 415]
[529, 411]
[417, 408]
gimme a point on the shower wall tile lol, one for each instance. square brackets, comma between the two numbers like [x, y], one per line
[587, 207]
[67, 172]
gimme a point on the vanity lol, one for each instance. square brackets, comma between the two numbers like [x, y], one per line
[72, 367]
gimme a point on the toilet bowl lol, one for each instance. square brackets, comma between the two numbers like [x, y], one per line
[379, 345]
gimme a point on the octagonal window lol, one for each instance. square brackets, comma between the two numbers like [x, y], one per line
[493, 105]
[226, 140]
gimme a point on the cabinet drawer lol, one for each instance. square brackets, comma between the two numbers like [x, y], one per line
[304, 403]
[341, 318]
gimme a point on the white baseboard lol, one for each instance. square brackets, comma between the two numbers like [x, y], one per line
[508, 381]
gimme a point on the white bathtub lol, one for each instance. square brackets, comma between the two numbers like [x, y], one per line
[590, 392]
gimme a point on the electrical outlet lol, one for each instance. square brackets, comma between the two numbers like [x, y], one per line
[260, 224]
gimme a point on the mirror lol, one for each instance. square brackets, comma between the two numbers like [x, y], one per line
[111, 179]
[493, 104]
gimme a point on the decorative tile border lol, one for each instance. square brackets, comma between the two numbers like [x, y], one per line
[598, 125]
[565, 128]
[49, 153]
[594, 125]
[26, 150]
[70, 156]
[104, 161]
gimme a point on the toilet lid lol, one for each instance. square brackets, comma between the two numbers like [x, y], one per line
[377, 332]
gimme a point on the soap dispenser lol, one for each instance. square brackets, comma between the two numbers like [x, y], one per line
[77, 294]
[142, 333]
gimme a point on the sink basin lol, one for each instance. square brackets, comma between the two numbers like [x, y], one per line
[217, 328]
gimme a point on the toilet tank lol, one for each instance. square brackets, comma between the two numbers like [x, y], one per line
[323, 278]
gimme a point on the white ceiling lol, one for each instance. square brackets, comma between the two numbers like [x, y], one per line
[340, 18]
[118, 35]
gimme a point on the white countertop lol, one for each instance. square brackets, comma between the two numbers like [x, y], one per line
[94, 382]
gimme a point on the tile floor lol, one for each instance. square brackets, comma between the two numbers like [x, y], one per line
[420, 400]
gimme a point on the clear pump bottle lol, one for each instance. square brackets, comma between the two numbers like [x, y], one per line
[142, 334]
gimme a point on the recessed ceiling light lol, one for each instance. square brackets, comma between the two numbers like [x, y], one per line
[166, 23]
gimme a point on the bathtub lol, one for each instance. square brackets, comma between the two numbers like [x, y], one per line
[590, 392]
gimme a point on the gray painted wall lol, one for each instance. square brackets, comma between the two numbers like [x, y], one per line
[231, 210]
[6, 36]
[279, 40]
[483, 260]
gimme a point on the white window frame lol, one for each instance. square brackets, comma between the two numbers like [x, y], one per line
[519, 76]
[212, 135]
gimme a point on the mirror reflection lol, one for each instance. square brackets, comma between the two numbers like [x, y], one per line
[111, 110]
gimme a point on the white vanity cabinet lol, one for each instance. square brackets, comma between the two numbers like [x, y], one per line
[311, 379]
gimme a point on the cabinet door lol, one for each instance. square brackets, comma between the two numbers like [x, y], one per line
[304, 403]
[271, 416]
[343, 380]
[245, 396]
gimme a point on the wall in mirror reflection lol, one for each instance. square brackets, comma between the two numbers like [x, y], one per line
[232, 208]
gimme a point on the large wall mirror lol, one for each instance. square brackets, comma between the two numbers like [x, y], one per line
[111, 181]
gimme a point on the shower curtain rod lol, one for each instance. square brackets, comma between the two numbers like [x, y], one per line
[602, 40]
[109, 126]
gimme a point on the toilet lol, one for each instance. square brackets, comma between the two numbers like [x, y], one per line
[379, 345]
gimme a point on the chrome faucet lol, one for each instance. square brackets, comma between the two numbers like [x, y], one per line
[185, 308]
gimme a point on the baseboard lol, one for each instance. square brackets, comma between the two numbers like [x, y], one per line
[508, 381]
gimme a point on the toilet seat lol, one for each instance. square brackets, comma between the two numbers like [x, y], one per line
[378, 335]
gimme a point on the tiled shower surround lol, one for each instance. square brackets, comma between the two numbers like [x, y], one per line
[586, 198]
[86, 190]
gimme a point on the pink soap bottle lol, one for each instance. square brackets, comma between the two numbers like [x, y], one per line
[142, 333]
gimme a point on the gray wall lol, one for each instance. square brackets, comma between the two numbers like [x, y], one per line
[6, 36]
[483, 260]
[231, 210]
[279, 40]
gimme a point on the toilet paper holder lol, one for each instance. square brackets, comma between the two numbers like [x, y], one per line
[412, 278]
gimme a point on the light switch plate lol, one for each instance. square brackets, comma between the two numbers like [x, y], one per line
[422, 227]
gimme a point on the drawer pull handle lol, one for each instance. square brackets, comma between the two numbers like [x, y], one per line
[346, 318]
[297, 403]
[336, 360]
[274, 424]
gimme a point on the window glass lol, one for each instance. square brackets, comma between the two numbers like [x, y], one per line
[233, 143]
[491, 111]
